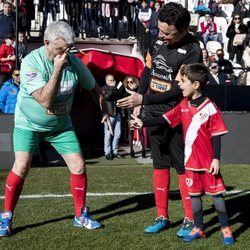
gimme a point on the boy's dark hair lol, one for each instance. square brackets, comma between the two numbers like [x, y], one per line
[196, 72]
[175, 14]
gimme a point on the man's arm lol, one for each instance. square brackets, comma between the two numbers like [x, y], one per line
[136, 99]
[47, 94]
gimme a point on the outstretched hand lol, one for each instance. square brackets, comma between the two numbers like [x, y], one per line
[135, 122]
[131, 101]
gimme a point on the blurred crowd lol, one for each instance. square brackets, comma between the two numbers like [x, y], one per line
[222, 29]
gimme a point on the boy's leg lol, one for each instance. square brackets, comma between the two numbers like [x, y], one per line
[220, 208]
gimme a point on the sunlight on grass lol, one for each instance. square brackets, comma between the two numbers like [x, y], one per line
[46, 223]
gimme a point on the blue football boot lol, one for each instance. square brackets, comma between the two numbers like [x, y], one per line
[5, 223]
[86, 221]
[160, 224]
[186, 228]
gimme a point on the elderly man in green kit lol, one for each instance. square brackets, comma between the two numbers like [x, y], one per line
[49, 76]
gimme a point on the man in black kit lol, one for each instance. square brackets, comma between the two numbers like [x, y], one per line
[159, 91]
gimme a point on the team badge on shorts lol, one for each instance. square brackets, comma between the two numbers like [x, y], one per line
[189, 182]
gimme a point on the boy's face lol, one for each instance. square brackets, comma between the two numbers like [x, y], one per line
[9, 42]
[188, 88]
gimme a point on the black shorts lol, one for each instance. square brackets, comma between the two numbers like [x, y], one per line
[167, 147]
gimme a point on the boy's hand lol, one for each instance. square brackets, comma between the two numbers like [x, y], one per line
[136, 122]
[215, 167]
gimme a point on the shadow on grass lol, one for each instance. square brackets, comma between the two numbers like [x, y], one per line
[39, 224]
[139, 202]
[238, 207]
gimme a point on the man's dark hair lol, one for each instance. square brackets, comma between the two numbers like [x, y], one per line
[196, 72]
[175, 14]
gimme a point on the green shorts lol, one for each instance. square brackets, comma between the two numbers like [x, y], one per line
[65, 142]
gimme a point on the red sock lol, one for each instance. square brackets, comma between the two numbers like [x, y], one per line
[161, 179]
[78, 189]
[13, 189]
[186, 201]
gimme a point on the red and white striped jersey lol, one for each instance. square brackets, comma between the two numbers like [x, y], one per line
[200, 124]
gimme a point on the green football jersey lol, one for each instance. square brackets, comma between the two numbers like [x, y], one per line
[36, 71]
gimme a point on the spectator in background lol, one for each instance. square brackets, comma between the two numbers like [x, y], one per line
[9, 91]
[153, 23]
[144, 14]
[46, 7]
[224, 64]
[214, 6]
[7, 21]
[132, 83]
[29, 7]
[244, 78]
[201, 9]
[7, 57]
[215, 77]
[106, 14]
[235, 48]
[22, 46]
[112, 94]
[240, 8]
[209, 30]
[205, 57]
[132, 17]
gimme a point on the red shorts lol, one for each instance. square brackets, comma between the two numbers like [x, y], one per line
[203, 182]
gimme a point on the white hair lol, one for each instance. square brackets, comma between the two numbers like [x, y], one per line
[59, 29]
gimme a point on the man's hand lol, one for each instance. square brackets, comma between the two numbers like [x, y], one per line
[215, 167]
[60, 61]
[131, 101]
[105, 118]
[135, 123]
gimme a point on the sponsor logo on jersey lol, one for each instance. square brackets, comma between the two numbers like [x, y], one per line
[59, 110]
[160, 63]
[160, 86]
[184, 110]
[32, 74]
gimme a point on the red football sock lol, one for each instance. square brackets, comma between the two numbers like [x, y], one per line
[186, 201]
[161, 179]
[13, 189]
[78, 189]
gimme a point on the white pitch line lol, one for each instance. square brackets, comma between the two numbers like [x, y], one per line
[39, 196]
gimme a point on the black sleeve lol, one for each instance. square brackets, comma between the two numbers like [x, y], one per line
[217, 146]
[165, 97]
[144, 82]
[154, 121]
